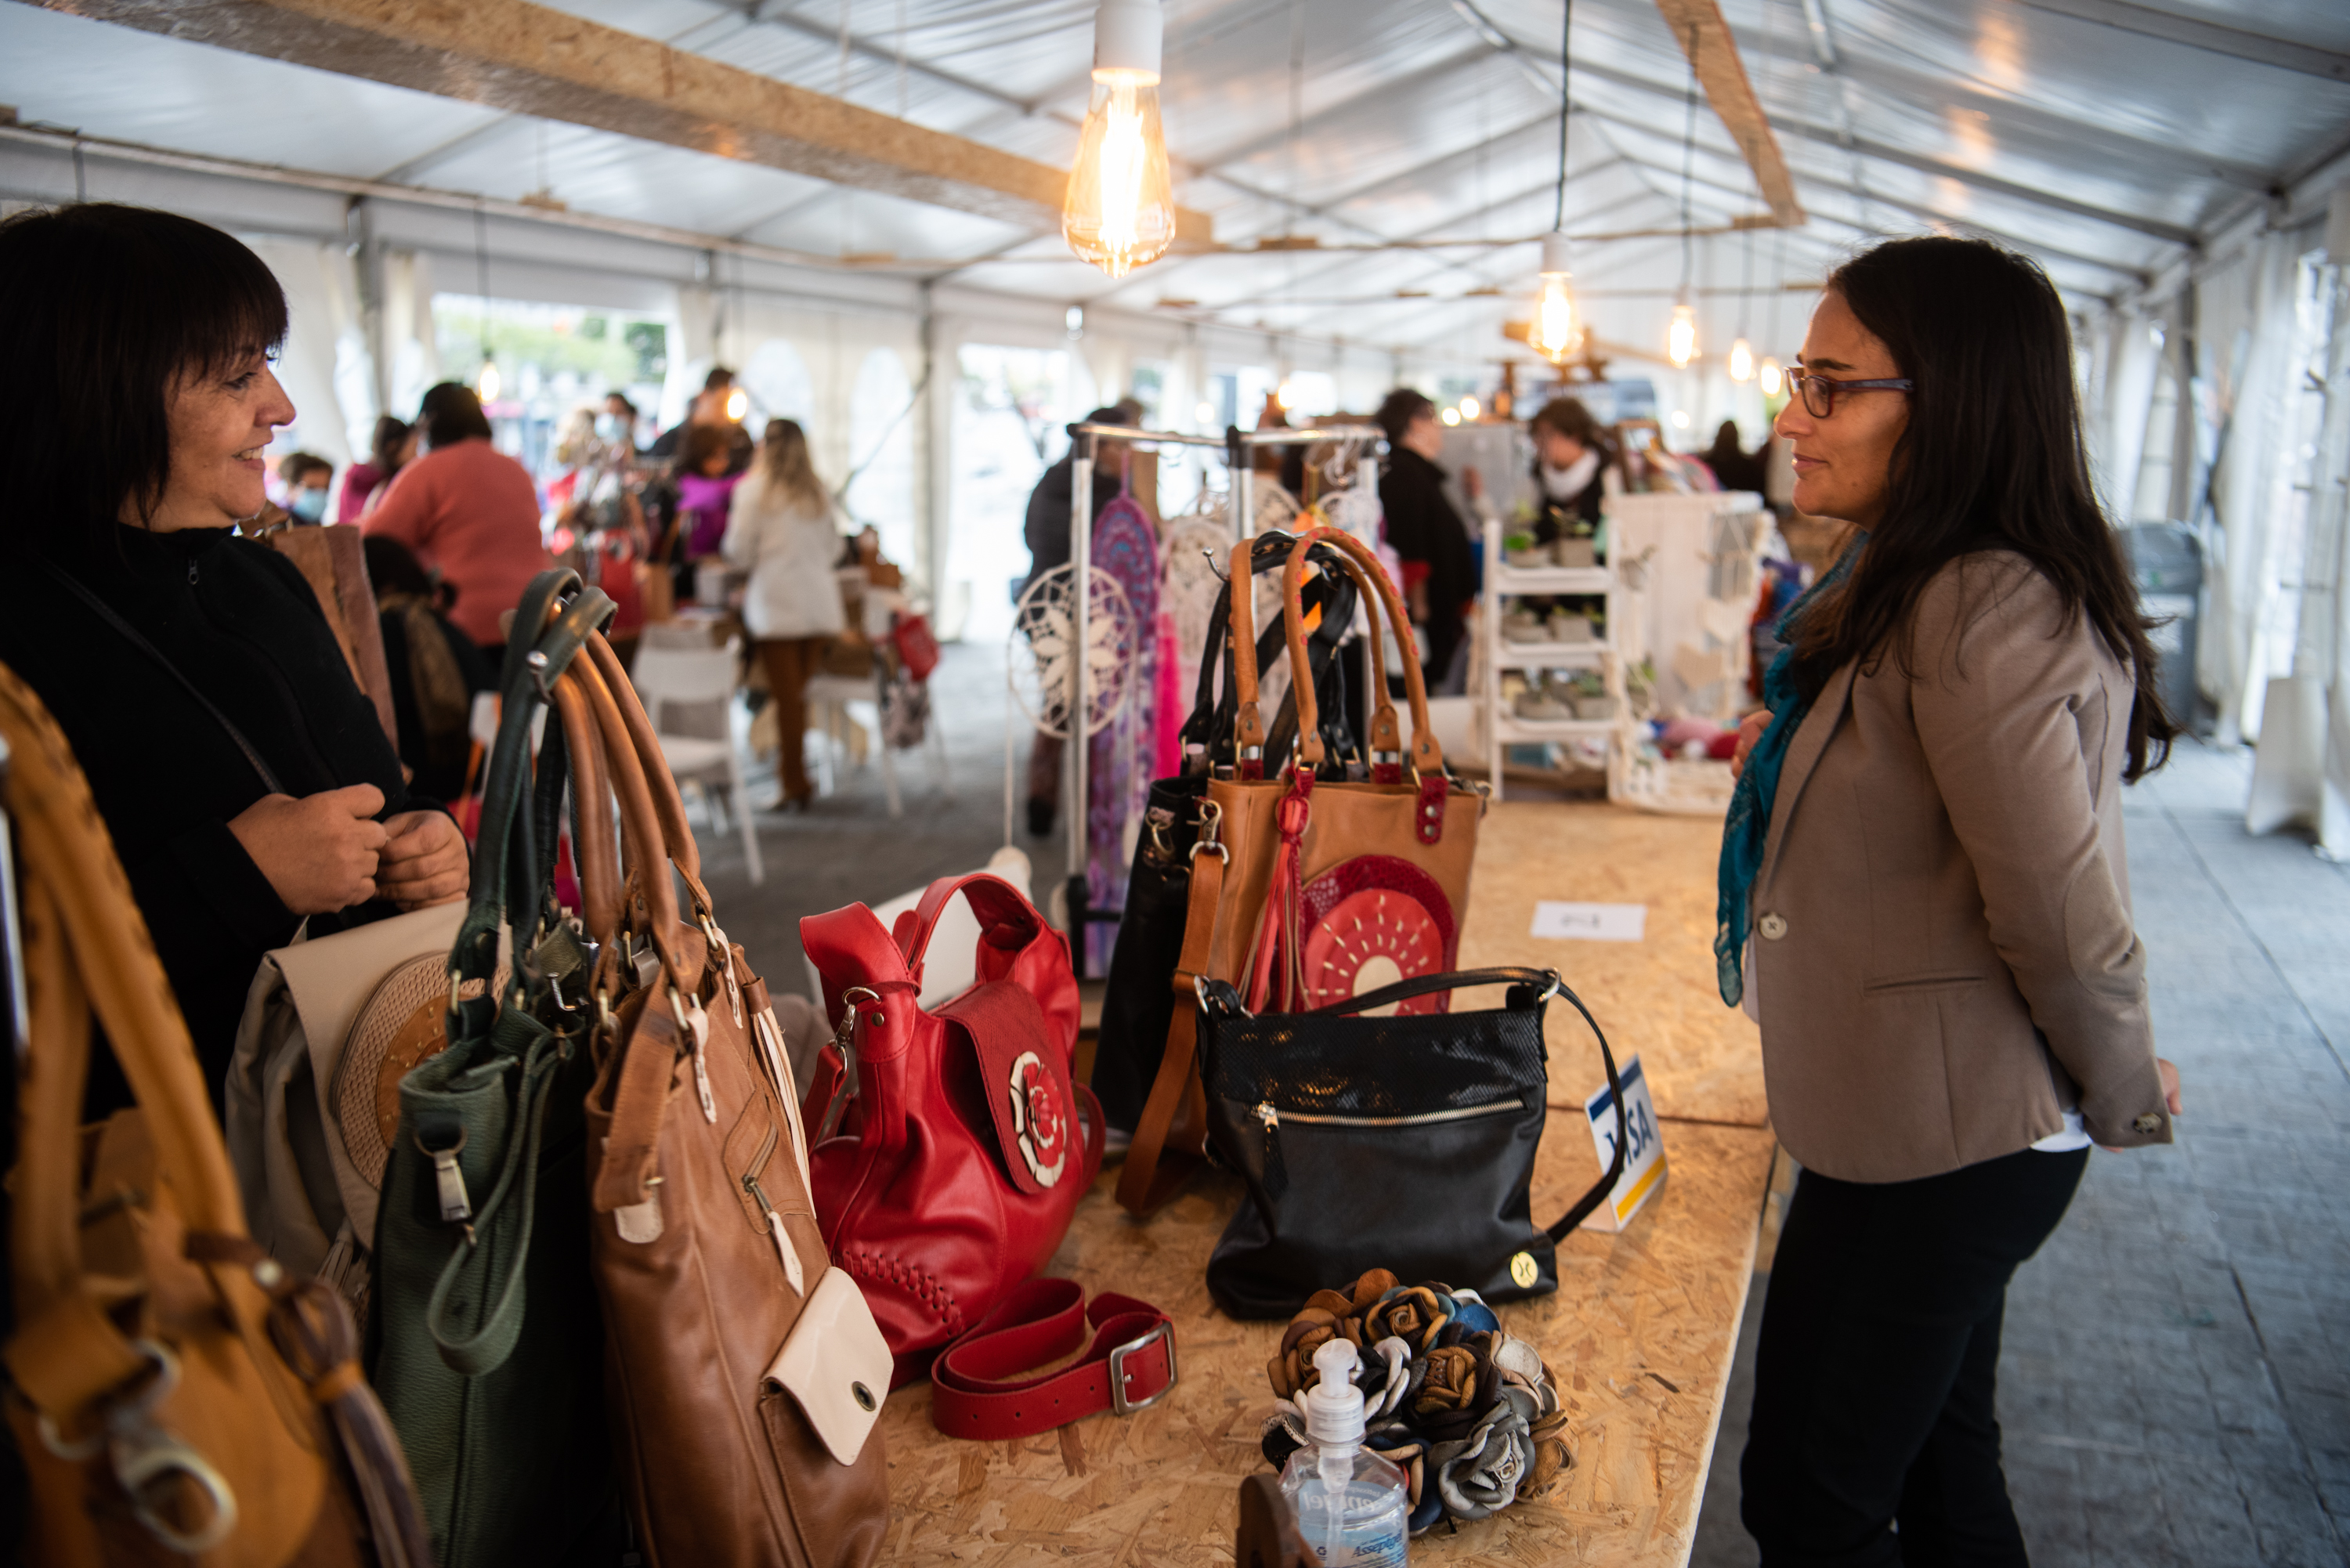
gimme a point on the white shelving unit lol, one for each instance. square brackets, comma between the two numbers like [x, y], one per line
[1498, 726]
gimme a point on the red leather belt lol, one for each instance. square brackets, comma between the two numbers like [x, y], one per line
[975, 1390]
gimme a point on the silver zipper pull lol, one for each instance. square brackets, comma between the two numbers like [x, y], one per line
[783, 1242]
[1267, 1115]
[449, 1182]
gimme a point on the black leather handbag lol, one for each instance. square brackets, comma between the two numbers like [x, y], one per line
[1404, 1143]
[1139, 1001]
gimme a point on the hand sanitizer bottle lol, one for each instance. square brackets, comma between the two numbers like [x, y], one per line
[1348, 1502]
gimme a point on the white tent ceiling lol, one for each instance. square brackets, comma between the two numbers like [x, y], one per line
[2103, 136]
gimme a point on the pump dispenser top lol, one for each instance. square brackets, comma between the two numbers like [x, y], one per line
[1333, 1406]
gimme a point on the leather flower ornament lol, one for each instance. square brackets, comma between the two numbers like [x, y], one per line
[1292, 1370]
[1451, 1384]
[1413, 1313]
[1482, 1473]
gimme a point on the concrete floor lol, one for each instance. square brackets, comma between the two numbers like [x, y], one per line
[847, 849]
[2175, 1387]
[2176, 1383]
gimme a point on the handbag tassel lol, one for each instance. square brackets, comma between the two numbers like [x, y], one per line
[1278, 938]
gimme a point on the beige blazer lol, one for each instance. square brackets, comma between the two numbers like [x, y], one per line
[1943, 948]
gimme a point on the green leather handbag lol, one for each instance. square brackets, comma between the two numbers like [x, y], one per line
[486, 1345]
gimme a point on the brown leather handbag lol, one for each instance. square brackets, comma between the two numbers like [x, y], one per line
[176, 1395]
[745, 1373]
[1307, 890]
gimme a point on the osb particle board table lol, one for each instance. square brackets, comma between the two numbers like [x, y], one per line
[1640, 1331]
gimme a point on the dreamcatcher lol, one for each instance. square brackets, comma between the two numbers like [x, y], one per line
[1190, 554]
[1119, 755]
[1038, 657]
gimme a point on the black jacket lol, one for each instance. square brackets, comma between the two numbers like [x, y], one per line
[1047, 529]
[1576, 518]
[1423, 526]
[238, 620]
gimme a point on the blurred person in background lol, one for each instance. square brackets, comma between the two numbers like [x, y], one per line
[715, 407]
[1439, 565]
[705, 491]
[779, 527]
[469, 511]
[392, 449]
[1572, 459]
[435, 669]
[243, 775]
[307, 477]
[1735, 468]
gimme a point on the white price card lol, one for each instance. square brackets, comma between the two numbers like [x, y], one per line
[1591, 922]
[1644, 1161]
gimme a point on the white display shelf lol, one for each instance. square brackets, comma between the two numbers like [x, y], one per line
[1590, 655]
[1512, 728]
[1511, 581]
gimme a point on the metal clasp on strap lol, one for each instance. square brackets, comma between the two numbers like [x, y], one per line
[1162, 1334]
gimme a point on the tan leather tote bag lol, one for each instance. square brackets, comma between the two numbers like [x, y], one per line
[1307, 890]
[745, 1373]
[178, 1397]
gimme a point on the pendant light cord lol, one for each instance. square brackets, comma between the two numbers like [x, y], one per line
[481, 269]
[1688, 147]
[1566, 108]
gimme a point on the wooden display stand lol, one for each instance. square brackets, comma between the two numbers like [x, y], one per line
[1640, 1331]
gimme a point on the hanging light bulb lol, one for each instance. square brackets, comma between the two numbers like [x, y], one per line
[1120, 209]
[1286, 394]
[1554, 334]
[738, 403]
[1680, 343]
[1468, 406]
[1770, 377]
[1741, 361]
[486, 384]
[1450, 415]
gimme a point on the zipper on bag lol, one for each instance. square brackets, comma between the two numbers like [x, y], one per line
[1270, 1116]
[791, 1259]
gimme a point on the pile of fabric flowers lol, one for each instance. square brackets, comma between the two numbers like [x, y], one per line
[1470, 1415]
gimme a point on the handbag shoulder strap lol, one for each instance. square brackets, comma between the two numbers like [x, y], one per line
[1427, 755]
[129, 634]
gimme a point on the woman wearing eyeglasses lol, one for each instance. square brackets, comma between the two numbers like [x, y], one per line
[1925, 891]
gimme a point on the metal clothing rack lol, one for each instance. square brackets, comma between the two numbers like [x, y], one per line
[1236, 443]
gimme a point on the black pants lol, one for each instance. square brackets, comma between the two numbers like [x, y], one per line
[1875, 1374]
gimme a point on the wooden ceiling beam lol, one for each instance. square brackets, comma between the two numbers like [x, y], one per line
[529, 59]
[1704, 35]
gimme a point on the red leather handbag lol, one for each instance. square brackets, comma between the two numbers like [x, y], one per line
[948, 1157]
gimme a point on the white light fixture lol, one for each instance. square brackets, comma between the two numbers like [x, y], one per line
[1119, 213]
[1741, 361]
[1286, 394]
[486, 385]
[1770, 378]
[1468, 407]
[738, 403]
[1680, 418]
[1204, 415]
[1450, 415]
[1681, 342]
[1554, 334]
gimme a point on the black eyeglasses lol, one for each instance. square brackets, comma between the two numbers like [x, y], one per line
[1819, 393]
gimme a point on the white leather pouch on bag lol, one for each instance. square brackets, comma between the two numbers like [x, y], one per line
[835, 1365]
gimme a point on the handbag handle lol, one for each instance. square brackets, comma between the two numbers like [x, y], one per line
[668, 806]
[594, 849]
[1202, 728]
[645, 856]
[1426, 756]
[1219, 997]
[996, 902]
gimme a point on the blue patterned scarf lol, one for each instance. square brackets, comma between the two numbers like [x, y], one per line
[1748, 825]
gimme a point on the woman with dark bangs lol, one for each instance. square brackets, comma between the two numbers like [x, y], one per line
[244, 777]
[1925, 844]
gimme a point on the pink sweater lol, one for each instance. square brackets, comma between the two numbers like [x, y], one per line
[471, 511]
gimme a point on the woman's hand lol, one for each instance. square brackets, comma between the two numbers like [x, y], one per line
[1750, 732]
[319, 852]
[2169, 1071]
[424, 862]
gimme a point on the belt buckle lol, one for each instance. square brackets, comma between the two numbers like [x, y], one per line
[1118, 1402]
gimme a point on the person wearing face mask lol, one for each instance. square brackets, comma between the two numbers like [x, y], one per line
[244, 777]
[1925, 844]
[307, 477]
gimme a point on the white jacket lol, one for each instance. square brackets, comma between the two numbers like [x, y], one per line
[789, 548]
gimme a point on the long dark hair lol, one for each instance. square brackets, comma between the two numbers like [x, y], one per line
[1992, 460]
[104, 310]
